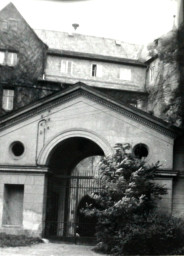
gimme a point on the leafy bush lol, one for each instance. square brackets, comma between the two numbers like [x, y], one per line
[127, 220]
[17, 240]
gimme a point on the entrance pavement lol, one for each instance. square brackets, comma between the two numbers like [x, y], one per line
[49, 249]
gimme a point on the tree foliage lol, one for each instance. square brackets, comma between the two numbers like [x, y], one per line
[126, 203]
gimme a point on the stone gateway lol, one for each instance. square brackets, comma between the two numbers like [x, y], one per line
[61, 115]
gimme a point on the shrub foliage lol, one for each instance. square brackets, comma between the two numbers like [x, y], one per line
[127, 222]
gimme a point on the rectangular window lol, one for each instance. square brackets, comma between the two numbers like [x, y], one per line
[125, 74]
[11, 59]
[13, 204]
[96, 70]
[8, 58]
[2, 57]
[8, 99]
[66, 67]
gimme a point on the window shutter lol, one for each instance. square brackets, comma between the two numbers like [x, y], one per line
[2, 57]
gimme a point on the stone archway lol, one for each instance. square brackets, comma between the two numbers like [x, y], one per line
[44, 155]
[69, 182]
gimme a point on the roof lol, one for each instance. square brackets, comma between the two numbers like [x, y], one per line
[91, 93]
[92, 45]
[10, 9]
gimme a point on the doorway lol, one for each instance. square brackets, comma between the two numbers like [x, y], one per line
[73, 164]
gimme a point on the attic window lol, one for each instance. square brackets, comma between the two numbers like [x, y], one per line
[96, 70]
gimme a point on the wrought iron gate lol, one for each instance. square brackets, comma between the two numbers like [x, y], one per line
[67, 195]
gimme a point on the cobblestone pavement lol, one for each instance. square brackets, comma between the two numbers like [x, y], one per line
[49, 249]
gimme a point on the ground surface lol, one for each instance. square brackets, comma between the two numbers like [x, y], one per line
[49, 249]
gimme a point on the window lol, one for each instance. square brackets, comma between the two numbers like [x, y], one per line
[17, 148]
[140, 150]
[8, 98]
[125, 74]
[96, 70]
[13, 204]
[66, 67]
[2, 57]
[8, 58]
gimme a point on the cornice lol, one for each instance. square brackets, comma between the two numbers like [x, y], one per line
[23, 169]
[81, 90]
[95, 57]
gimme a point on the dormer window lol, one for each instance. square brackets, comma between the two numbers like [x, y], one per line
[96, 70]
[8, 99]
[8, 58]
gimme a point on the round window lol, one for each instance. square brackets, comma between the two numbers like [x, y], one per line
[17, 148]
[140, 150]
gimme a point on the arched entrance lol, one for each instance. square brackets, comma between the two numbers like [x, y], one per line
[72, 164]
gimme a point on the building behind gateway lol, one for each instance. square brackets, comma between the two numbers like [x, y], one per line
[66, 100]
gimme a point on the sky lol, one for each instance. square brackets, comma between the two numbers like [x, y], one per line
[136, 21]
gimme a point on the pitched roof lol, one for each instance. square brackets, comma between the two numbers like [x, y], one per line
[83, 90]
[10, 11]
[92, 45]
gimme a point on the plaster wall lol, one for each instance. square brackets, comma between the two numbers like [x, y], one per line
[109, 78]
[33, 202]
[82, 114]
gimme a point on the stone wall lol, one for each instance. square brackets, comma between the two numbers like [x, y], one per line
[109, 76]
[33, 202]
[17, 36]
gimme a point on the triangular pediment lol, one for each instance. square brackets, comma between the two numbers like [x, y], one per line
[83, 90]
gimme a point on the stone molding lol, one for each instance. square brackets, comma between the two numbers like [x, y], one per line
[77, 132]
[24, 169]
[81, 89]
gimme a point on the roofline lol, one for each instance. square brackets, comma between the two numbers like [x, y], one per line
[95, 57]
[151, 59]
[11, 4]
[82, 89]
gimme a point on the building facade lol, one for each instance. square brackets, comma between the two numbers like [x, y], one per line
[66, 100]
